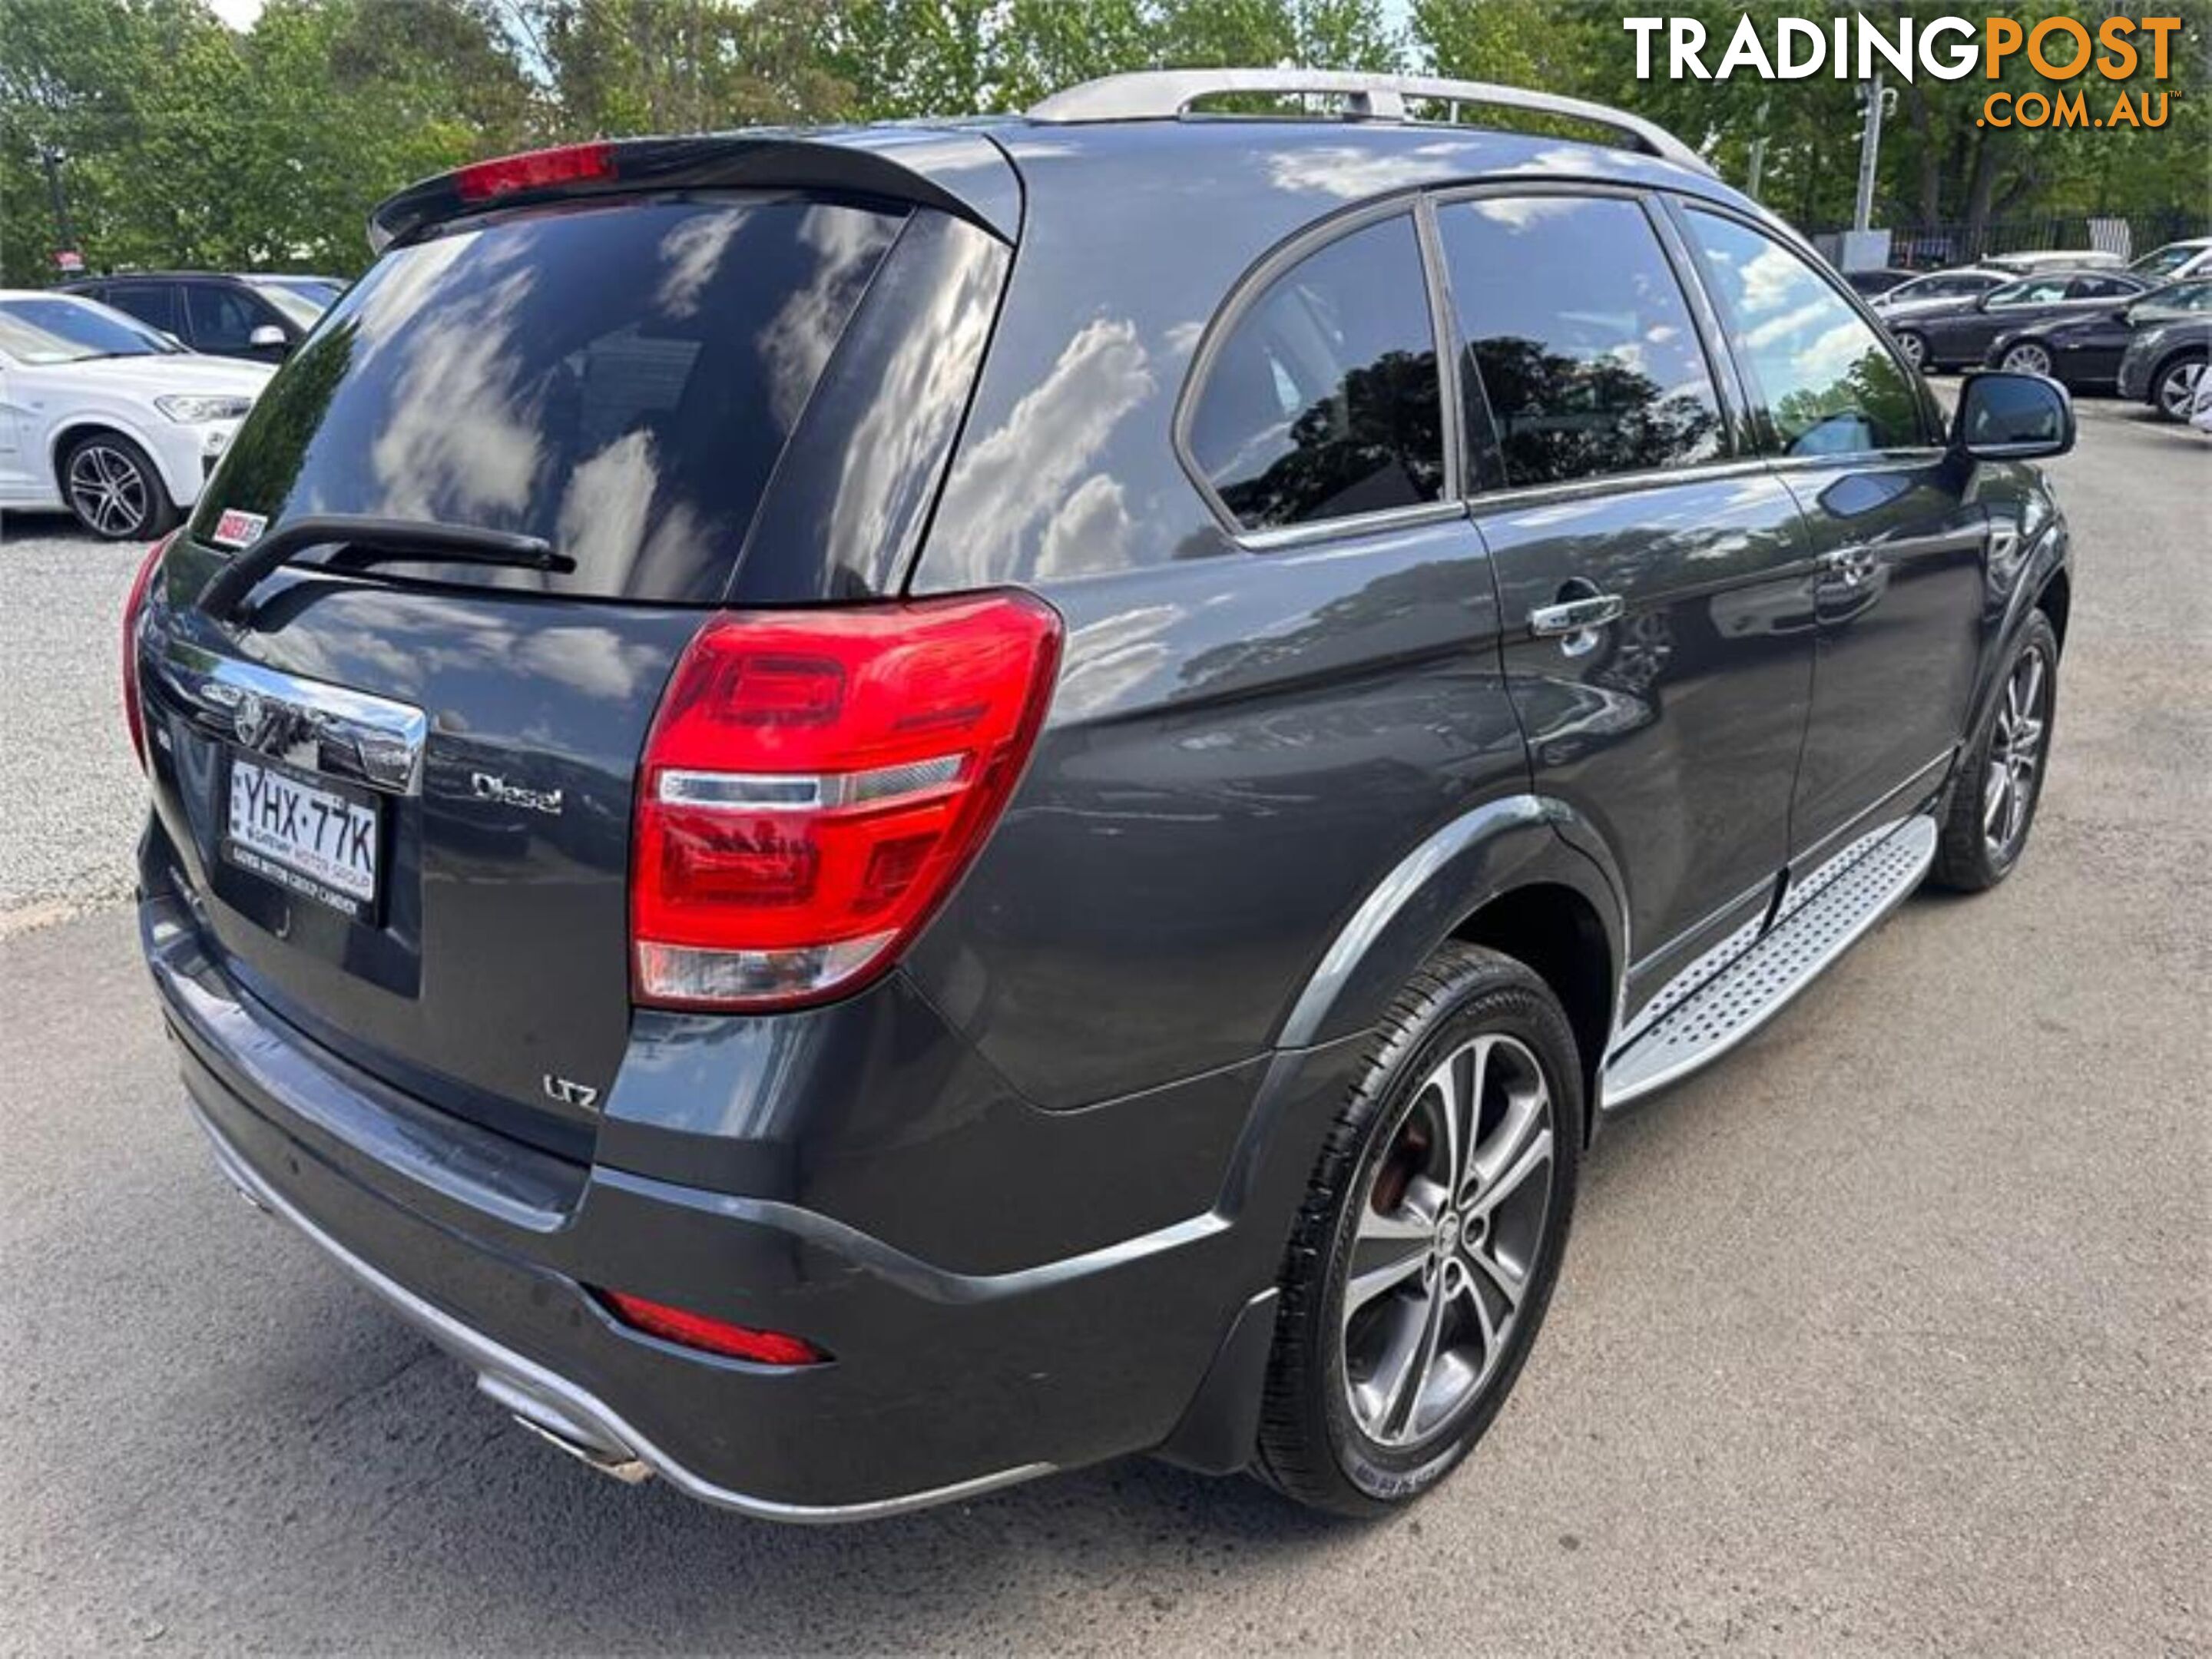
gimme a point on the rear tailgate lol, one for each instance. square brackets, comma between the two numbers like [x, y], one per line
[402, 795]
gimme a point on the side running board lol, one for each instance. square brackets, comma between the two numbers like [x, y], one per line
[1824, 919]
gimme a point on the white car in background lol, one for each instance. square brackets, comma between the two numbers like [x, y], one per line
[107, 417]
[2176, 260]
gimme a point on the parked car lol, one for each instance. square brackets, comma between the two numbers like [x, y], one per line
[2164, 364]
[2077, 258]
[1960, 332]
[1871, 282]
[2085, 351]
[320, 291]
[107, 417]
[2175, 260]
[1938, 288]
[862, 867]
[260, 318]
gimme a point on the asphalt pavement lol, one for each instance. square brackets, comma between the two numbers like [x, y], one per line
[1890, 1333]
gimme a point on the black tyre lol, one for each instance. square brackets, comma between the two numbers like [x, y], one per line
[2000, 781]
[1424, 1255]
[114, 489]
[2174, 387]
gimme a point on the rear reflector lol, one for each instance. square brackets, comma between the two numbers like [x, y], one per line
[536, 169]
[134, 712]
[814, 784]
[692, 1330]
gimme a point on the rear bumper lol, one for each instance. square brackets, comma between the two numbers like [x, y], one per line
[943, 1384]
[557, 1408]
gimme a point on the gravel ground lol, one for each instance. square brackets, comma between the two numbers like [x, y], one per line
[1889, 1333]
[70, 791]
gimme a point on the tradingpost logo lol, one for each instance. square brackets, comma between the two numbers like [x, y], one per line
[2082, 60]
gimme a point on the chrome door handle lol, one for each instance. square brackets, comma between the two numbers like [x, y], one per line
[1853, 564]
[1572, 617]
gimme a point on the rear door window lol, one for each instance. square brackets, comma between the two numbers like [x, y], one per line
[2099, 287]
[1323, 401]
[618, 378]
[152, 303]
[1578, 337]
[2035, 291]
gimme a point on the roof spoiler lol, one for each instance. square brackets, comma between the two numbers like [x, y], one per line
[1168, 95]
[963, 173]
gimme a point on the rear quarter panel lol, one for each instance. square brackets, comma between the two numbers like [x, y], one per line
[1243, 743]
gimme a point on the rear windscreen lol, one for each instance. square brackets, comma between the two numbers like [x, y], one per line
[619, 379]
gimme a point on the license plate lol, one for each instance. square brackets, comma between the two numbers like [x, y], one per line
[312, 841]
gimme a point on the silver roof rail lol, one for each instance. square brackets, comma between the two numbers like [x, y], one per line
[1165, 95]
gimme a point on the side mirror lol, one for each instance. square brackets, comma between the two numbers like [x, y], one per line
[2004, 416]
[267, 337]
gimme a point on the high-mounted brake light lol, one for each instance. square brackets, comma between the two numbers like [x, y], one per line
[536, 169]
[815, 782]
[692, 1330]
[133, 712]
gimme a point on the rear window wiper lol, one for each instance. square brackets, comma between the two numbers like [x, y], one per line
[372, 541]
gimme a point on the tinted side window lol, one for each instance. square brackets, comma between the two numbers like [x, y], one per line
[1322, 400]
[152, 303]
[2099, 287]
[1579, 336]
[1831, 386]
[223, 318]
[2035, 291]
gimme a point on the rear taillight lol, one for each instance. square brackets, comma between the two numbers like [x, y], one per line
[537, 169]
[133, 712]
[691, 1330]
[815, 782]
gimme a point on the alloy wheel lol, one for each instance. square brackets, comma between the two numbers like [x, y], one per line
[1448, 1237]
[2014, 774]
[107, 489]
[2177, 389]
[1914, 349]
[2027, 359]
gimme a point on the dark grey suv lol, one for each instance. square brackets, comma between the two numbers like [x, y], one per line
[876, 812]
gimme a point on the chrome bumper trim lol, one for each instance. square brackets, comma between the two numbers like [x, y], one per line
[558, 1410]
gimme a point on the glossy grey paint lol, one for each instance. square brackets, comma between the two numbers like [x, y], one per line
[1676, 735]
[1028, 1189]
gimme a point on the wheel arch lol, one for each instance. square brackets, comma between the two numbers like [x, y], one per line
[1512, 875]
[2055, 598]
[73, 429]
[2192, 351]
[1555, 931]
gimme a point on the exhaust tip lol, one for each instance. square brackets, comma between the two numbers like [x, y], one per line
[563, 1432]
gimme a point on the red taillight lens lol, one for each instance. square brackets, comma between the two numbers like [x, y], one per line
[133, 712]
[535, 169]
[692, 1330]
[814, 783]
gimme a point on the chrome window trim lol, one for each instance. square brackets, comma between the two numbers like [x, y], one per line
[1614, 483]
[1357, 524]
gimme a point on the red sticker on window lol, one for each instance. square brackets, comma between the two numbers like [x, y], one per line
[237, 529]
